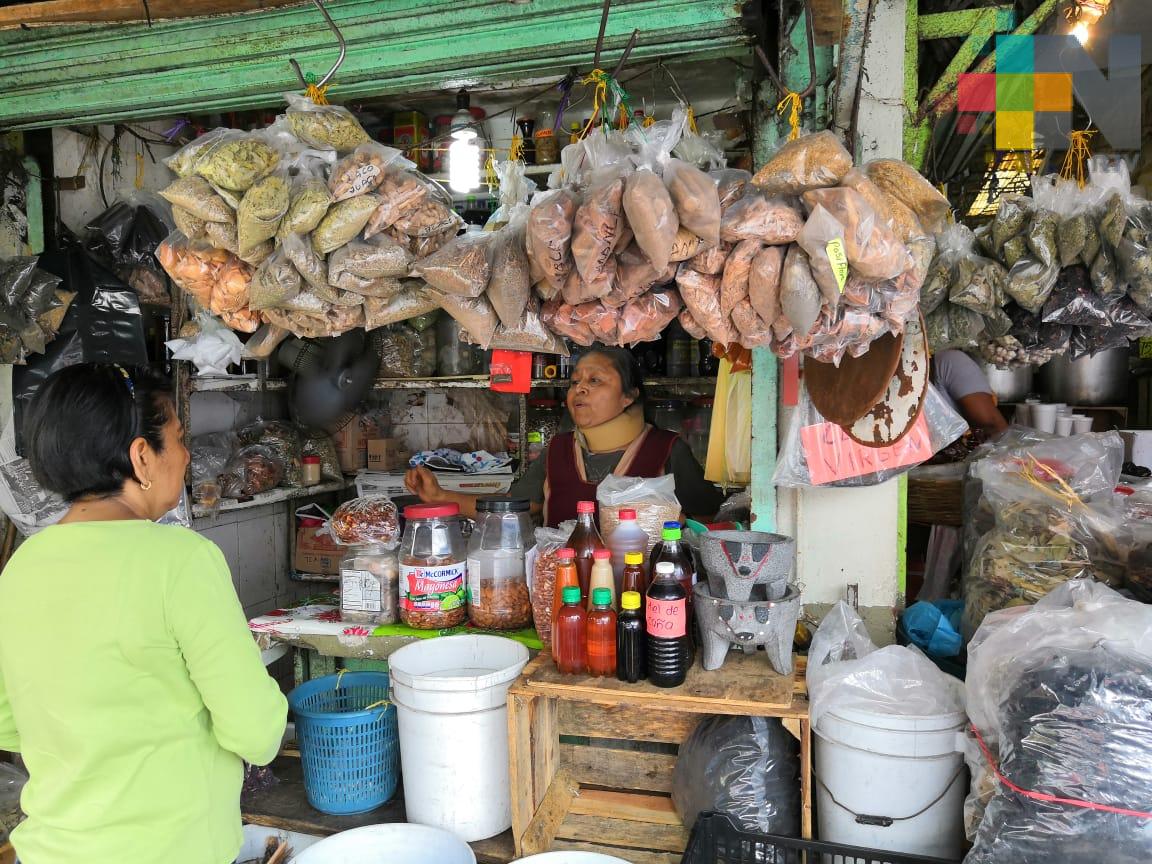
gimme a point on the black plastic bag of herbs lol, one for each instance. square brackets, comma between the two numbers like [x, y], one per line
[102, 325]
[1076, 724]
[124, 238]
[1033, 334]
[1074, 302]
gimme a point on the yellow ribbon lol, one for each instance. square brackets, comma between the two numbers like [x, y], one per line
[1039, 475]
[649, 120]
[599, 80]
[793, 105]
[692, 127]
[491, 180]
[516, 149]
[316, 94]
[139, 170]
[1077, 156]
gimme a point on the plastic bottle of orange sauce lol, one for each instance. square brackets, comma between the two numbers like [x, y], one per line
[570, 642]
[601, 635]
[566, 576]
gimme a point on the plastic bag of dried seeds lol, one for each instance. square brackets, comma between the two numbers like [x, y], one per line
[460, 268]
[900, 181]
[510, 283]
[197, 198]
[378, 258]
[809, 162]
[260, 211]
[327, 126]
[275, 282]
[1106, 276]
[363, 170]
[343, 221]
[236, 160]
[309, 200]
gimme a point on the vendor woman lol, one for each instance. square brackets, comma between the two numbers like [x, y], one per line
[606, 402]
[128, 678]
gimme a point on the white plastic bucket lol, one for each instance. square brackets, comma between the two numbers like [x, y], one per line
[255, 836]
[876, 770]
[570, 858]
[397, 843]
[451, 699]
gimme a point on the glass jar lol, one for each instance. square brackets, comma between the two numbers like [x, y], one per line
[369, 582]
[667, 414]
[547, 145]
[311, 470]
[433, 567]
[498, 596]
[544, 416]
[455, 357]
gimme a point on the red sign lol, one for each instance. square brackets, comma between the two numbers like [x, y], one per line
[833, 456]
[667, 619]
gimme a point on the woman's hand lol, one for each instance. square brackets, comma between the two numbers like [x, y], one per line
[423, 484]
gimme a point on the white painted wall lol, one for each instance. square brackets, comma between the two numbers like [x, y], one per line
[849, 536]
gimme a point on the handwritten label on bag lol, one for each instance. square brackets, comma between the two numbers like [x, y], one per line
[839, 261]
[666, 619]
[833, 456]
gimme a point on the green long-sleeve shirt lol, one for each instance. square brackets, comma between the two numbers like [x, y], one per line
[133, 689]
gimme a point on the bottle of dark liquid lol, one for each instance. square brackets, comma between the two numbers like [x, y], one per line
[630, 639]
[634, 578]
[675, 551]
[585, 539]
[666, 621]
[601, 634]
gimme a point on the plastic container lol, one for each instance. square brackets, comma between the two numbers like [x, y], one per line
[566, 577]
[1044, 418]
[666, 622]
[347, 731]
[667, 413]
[433, 567]
[602, 576]
[675, 551]
[630, 639]
[535, 446]
[888, 767]
[635, 577]
[451, 695]
[627, 537]
[498, 596]
[715, 838]
[369, 585]
[585, 539]
[310, 472]
[256, 836]
[544, 417]
[601, 635]
[396, 843]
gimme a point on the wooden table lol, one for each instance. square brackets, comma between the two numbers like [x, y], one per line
[285, 807]
[592, 759]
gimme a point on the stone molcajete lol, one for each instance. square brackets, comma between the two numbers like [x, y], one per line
[747, 624]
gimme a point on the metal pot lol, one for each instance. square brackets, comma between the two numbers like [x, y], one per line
[1099, 380]
[1010, 385]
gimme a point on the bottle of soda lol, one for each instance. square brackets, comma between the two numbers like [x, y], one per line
[675, 551]
[666, 621]
[570, 645]
[630, 639]
[601, 634]
[585, 539]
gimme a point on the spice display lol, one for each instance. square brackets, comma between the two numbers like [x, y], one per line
[433, 568]
[369, 519]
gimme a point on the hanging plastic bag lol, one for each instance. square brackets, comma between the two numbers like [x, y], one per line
[212, 350]
[363, 170]
[772, 221]
[309, 201]
[428, 219]
[847, 672]
[745, 767]
[401, 192]
[275, 282]
[326, 126]
[799, 294]
[260, 211]
[194, 196]
[460, 268]
[900, 181]
[701, 295]
[510, 284]
[809, 162]
[378, 258]
[595, 232]
[872, 249]
[819, 453]
[764, 283]
[415, 299]
[1010, 221]
[475, 316]
[561, 318]
[236, 160]
[343, 221]
[1030, 283]
[183, 162]
[549, 235]
[528, 334]
[1073, 301]
[737, 271]
[647, 202]
[898, 216]
[644, 318]
[514, 191]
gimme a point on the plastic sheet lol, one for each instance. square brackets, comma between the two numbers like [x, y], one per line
[846, 671]
[212, 350]
[747, 767]
[1059, 692]
[819, 453]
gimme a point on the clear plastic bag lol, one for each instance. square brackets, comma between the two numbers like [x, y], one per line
[737, 270]
[846, 671]
[529, 334]
[654, 500]
[250, 471]
[701, 295]
[194, 196]
[772, 221]
[644, 318]
[400, 348]
[261, 210]
[764, 283]
[510, 284]
[265, 341]
[378, 258]
[212, 350]
[362, 171]
[696, 199]
[809, 162]
[1059, 694]
[561, 318]
[799, 295]
[746, 767]
[236, 160]
[900, 181]
[898, 216]
[819, 453]
[415, 299]
[1073, 302]
[343, 221]
[873, 250]
[475, 315]
[183, 162]
[595, 232]
[515, 190]
[368, 519]
[326, 126]
[309, 200]
[460, 268]
[1030, 283]
[549, 236]
[284, 440]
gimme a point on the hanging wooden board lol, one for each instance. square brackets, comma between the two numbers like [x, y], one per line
[894, 415]
[845, 393]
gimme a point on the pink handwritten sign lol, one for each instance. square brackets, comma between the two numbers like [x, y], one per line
[667, 619]
[833, 456]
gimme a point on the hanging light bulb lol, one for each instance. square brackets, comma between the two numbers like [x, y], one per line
[1080, 31]
[463, 161]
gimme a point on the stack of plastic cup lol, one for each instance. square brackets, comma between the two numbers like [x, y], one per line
[1081, 424]
[1044, 418]
[1064, 425]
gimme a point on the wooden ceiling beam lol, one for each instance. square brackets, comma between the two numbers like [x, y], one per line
[53, 13]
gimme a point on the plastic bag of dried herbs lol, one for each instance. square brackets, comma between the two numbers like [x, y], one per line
[977, 283]
[1011, 219]
[309, 199]
[260, 211]
[196, 197]
[329, 126]
[953, 326]
[236, 160]
[1030, 283]
[1136, 270]
[1090, 341]
[1106, 276]
[343, 221]
[954, 241]
[275, 282]
[1073, 301]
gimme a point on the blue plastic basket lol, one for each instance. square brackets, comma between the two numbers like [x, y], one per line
[350, 751]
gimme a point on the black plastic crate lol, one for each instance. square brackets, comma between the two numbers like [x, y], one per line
[715, 840]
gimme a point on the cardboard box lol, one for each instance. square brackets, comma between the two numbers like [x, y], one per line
[476, 484]
[373, 483]
[409, 131]
[387, 454]
[351, 446]
[316, 553]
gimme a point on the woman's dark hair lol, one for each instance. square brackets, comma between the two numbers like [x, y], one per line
[82, 422]
[626, 366]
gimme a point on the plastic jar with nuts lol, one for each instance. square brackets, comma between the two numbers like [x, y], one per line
[498, 597]
[369, 584]
[433, 567]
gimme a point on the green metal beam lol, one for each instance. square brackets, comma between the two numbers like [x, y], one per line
[60, 76]
[34, 205]
[949, 25]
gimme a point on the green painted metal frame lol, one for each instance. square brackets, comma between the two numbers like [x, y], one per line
[34, 205]
[979, 26]
[59, 76]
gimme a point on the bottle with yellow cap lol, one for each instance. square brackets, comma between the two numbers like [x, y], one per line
[634, 577]
[630, 665]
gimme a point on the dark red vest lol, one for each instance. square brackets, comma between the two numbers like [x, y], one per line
[565, 484]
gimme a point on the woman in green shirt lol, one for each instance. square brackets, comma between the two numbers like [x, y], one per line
[128, 679]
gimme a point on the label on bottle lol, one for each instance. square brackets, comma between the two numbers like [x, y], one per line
[666, 619]
[435, 588]
[360, 592]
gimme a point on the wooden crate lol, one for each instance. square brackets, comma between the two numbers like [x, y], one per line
[591, 759]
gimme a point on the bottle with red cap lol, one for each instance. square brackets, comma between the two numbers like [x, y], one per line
[627, 537]
[602, 576]
[585, 539]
